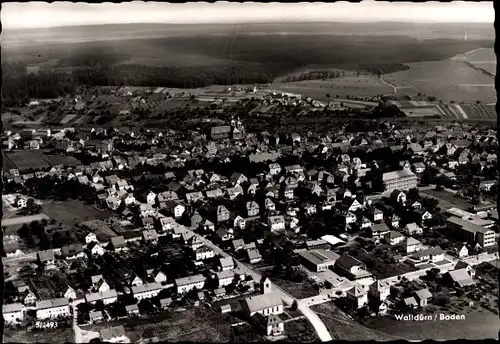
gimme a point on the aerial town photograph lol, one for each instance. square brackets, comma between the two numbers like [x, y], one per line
[249, 172]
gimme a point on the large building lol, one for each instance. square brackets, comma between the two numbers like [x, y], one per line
[471, 232]
[318, 260]
[52, 308]
[399, 180]
[222, 132]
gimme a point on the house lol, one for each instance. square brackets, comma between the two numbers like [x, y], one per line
[222, 214]
[422, 297]
[151, 198]
[276, 222]
[90, 237]
[224, 278]
[118, 243]
[99, 284]
[398, 196]
[393, 238]
[136, 280]
[410, 302]
[186, 284]
[460, 250]
[376, 214]
[27, 297]
[265, 304]
[165, 303]
[271, 325]
[351, 267]
[252, 208]
[13, 313]
[486, 185]
[175, 208]
[146, 290]
[204, 252]
[394, 221]
[379, 290]
[107, 297]
[96, 317]
[357, 296]
[53, 308]
[70, 294]
[410, 245]
[422, 215]
[379, 230]
[238, 244]
[71, 252]
[274, 169]
[96, 249]
[413, 229]
[225, 309]
[253, 255]
[150, 236]
[225, 234]
[226, 263]
[269, 205]
[115, 334]
[352, 204]
[46, 258]
[459, 278]
[132, 309]
[238, 178]
[463, 265]
[318, 260]
[418, 167]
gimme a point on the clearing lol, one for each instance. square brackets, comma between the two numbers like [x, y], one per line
[343, 328]
[71, 211]
[60, 335]
[349, 86]
[447, 199]
[446, 80]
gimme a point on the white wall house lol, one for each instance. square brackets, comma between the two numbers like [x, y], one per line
[186, 284]
[13, 313]
[146, 290]
[53, 308]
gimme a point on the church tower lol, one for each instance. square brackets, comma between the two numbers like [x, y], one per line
[265, 285]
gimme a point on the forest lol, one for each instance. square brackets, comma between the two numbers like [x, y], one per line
[239, 59]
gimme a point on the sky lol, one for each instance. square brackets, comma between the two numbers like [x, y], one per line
[42, 15]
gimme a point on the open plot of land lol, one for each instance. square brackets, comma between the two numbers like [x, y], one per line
[477, 325]
[62, 335]
[299, 290]
[484, 58]
[447, 199]
[361, 86]
[446, 80]
[185, 325]
[23, 160]
[70, 211]
[343, 328]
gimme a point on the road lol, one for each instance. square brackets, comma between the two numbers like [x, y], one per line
[394, 89]
[302, 306]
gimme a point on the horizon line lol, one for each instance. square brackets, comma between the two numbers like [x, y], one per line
[253, 22]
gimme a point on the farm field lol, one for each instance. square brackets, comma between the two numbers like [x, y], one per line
[481, 324]
[446, 80]
[71, 211]
[24, 160]
[483, 58]
[187, 325]
[361, 86]
[343, 328]
[61, 335]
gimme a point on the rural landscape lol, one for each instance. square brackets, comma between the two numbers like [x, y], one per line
[174, 175]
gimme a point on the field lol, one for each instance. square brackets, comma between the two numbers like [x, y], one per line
[23, 336]
[71, 211]
[187, 325]
[360, 86]
[24, 160]
[297, 290]
[484, 59]
[343, 328]
[446, 80]
[477, 325]
[447, 199]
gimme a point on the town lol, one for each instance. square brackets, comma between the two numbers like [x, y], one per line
[241, 226]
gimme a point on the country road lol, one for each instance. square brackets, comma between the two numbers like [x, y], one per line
[394, 89]
[303, 307]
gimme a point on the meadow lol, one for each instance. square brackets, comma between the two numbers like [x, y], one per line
[446, 80]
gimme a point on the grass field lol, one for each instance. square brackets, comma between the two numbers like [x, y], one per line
[447, 199]
[477, 325]
[360, 86]
[343, 328]
[186, 325]
[483, 58]
[298, 290]
[23, 160]
[71, 211]
[446, 80]
[53, 336]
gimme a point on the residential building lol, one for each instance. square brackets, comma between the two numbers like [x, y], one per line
[107, 297]
[357, 297]
[224, 278]
[351, 267]
[226, 263]
[379, 290]
[146, 290]
[186, 284]
[53, 308]
[394, 238]
[13, 313]
[422, 296]
[276, 222]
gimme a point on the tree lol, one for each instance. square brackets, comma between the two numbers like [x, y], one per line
[328, 95]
